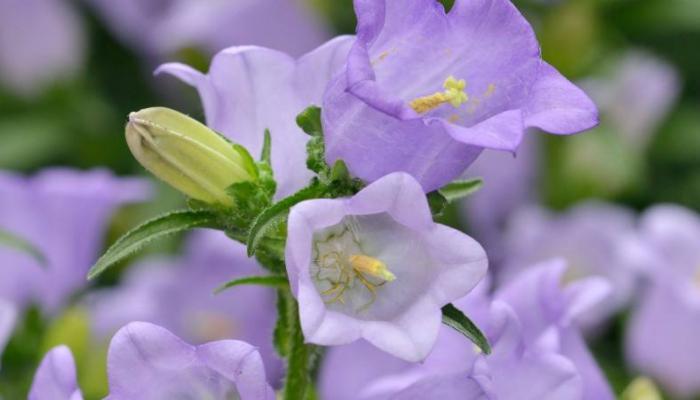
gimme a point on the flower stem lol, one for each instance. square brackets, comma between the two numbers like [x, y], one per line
[300, 356]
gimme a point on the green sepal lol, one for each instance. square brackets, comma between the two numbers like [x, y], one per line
[156, 228]
[437, 203]
[13, 241]
[460, 189]
[309, 121]
[455, 319]
[265, 280]
[276, 214]
[248, 161]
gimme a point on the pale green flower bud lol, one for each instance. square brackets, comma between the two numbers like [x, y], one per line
[187, 155]
[641, 389]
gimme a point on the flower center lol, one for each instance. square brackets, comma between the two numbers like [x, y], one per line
[454, 94]
[341, 266]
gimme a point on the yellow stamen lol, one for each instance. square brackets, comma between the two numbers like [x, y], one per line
[371, 266]
[454, 94]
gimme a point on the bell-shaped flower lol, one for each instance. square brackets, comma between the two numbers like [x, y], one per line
[548, 310]
[595, 239]
[56, 379]
[250, 89]
[63, 213]
[147, 362]
[662, 331]
[455, 369]
[33, 56]
[375, 266]
[163, 28]
[424, 91]
[176, 293]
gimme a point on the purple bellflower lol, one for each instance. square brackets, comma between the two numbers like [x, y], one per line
[375, 266]
[250, 89]
[35, 55]
[163, 27]
[595, 239]
[426, 91]
[56, 379]
[147, 362]
[662, 332]
[177, 294]
[63, 213]
[548, 313]
[455, 369]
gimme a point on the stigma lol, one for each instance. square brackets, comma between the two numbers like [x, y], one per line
[371, 266]
[453, 94]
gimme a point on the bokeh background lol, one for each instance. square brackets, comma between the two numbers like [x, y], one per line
[71, 71]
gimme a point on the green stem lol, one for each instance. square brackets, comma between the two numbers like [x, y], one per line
[300, 356]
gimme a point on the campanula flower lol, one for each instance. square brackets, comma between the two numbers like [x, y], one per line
[177, 294]
[549, 310]
[661, 340]
[35, 55]
[55, 379]
[250, 89]
[375, 266]
[147, 362]
[424, 91]
[63, 213]
[163, 27]
[596, 239]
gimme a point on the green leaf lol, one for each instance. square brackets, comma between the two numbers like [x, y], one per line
[437, 203]
[455, 319]
[149, 231]
[460, 189]
[277, 213]
[265, 155]
[265, 280]
[309, 121]
[10, 240]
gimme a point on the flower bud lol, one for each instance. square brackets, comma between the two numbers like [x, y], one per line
[186, 154]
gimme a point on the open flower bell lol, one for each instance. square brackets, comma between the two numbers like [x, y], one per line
[425, 91]
[376, 266]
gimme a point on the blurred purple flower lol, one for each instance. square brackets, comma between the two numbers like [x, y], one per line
[162, 27]
[35, 55]
[455, 370]
[509, 184]
[8, 317]
[387, 112]
[662, 331]
[178, 295]
[147, 362]
[376, 266]
[636, 96]
[250, 89]
[549, 313]
[594, 238]
[55, 379]
[64, 214]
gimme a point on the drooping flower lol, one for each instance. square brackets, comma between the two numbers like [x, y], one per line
[596, 239]
[163, 27]
[36, 55]
[55, 379]
[549, 311]
[250, 89]
[661, 340]
[455, 369]
[147, 362]
[375, 266]
[8, 316]
[63, 213]
[425, 91]
[177, 294]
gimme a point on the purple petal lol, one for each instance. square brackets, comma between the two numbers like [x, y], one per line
[55, 379]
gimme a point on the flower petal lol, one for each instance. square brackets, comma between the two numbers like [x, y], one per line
[56, 377]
